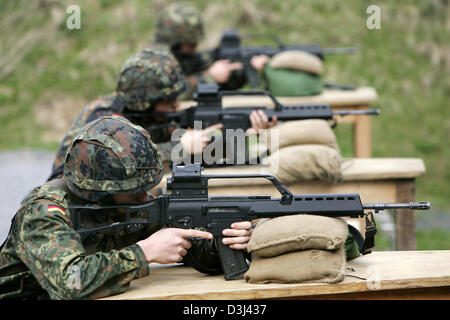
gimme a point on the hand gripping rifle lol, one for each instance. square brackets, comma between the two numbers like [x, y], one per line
[189, 206]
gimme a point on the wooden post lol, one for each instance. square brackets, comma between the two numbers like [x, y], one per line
[405, 218]
[362, 136]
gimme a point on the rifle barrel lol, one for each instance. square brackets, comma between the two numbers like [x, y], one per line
[424, 205]
[356, 112]
[342, 50]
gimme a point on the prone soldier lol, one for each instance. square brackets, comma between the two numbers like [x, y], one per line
[110, 162]
[179, 29]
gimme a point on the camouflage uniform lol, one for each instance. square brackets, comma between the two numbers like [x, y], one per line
[181, 23]
[146, 78]
[44, 257]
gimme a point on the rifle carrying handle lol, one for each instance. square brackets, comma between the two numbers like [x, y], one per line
[233, 262]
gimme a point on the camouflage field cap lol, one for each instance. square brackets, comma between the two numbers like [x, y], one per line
[179, 23]
[148, 77]
[111, 155]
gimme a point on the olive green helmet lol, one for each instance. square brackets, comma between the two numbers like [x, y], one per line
[148, 77]
[179, 23]
[111, 155]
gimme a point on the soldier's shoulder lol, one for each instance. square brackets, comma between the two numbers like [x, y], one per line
[53, 193]
[102, 106]
[159, 46]
[102, 102]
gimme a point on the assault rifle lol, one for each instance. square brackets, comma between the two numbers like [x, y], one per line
[189, 206]
[230, 48]
[209, 110]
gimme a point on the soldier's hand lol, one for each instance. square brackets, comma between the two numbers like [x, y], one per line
[195, 141]
[221, 70]
[170, 245]
[238, 236]
[259, 62]
[259, 120]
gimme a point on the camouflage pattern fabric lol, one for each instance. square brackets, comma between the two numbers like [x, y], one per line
[179, 23]
[148, 77]
[44, 257]
[111, 155]
[193, 68]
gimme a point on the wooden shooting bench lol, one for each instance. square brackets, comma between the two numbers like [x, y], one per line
[375, 179]
[359, 99]
[379, 275]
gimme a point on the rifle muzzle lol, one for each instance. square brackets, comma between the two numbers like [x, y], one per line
[421, 205]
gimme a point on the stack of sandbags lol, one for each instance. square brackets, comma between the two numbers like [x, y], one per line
[298, 249]
[302, 150]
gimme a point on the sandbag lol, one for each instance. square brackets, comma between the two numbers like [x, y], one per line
[297, 232]
[305, 163]
[299, 267]
[311, 131]
[291, 83]
[297, 60]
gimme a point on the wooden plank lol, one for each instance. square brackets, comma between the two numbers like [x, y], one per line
[362, 141]
[433, 293]
[381, 168]
[378, 271]
[405, 219]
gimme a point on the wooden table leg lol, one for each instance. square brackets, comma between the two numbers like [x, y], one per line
[362, 136]
[405, 218]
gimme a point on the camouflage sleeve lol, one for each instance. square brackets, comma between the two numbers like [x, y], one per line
[53, 252]
[171, 152]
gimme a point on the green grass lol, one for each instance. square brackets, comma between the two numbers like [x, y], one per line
[407, 61]
[436, 239]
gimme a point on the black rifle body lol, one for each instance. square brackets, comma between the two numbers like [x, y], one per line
[209, 110]
[189, 206]
[239, 117]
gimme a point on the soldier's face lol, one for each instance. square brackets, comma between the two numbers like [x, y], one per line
[167, 106]
[188, 48]
[129, 198]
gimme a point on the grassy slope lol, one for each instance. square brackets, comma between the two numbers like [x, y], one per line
[48, 68]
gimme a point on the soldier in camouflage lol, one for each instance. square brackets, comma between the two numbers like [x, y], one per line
[179, 29]
[149, 82]
[110, 161]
